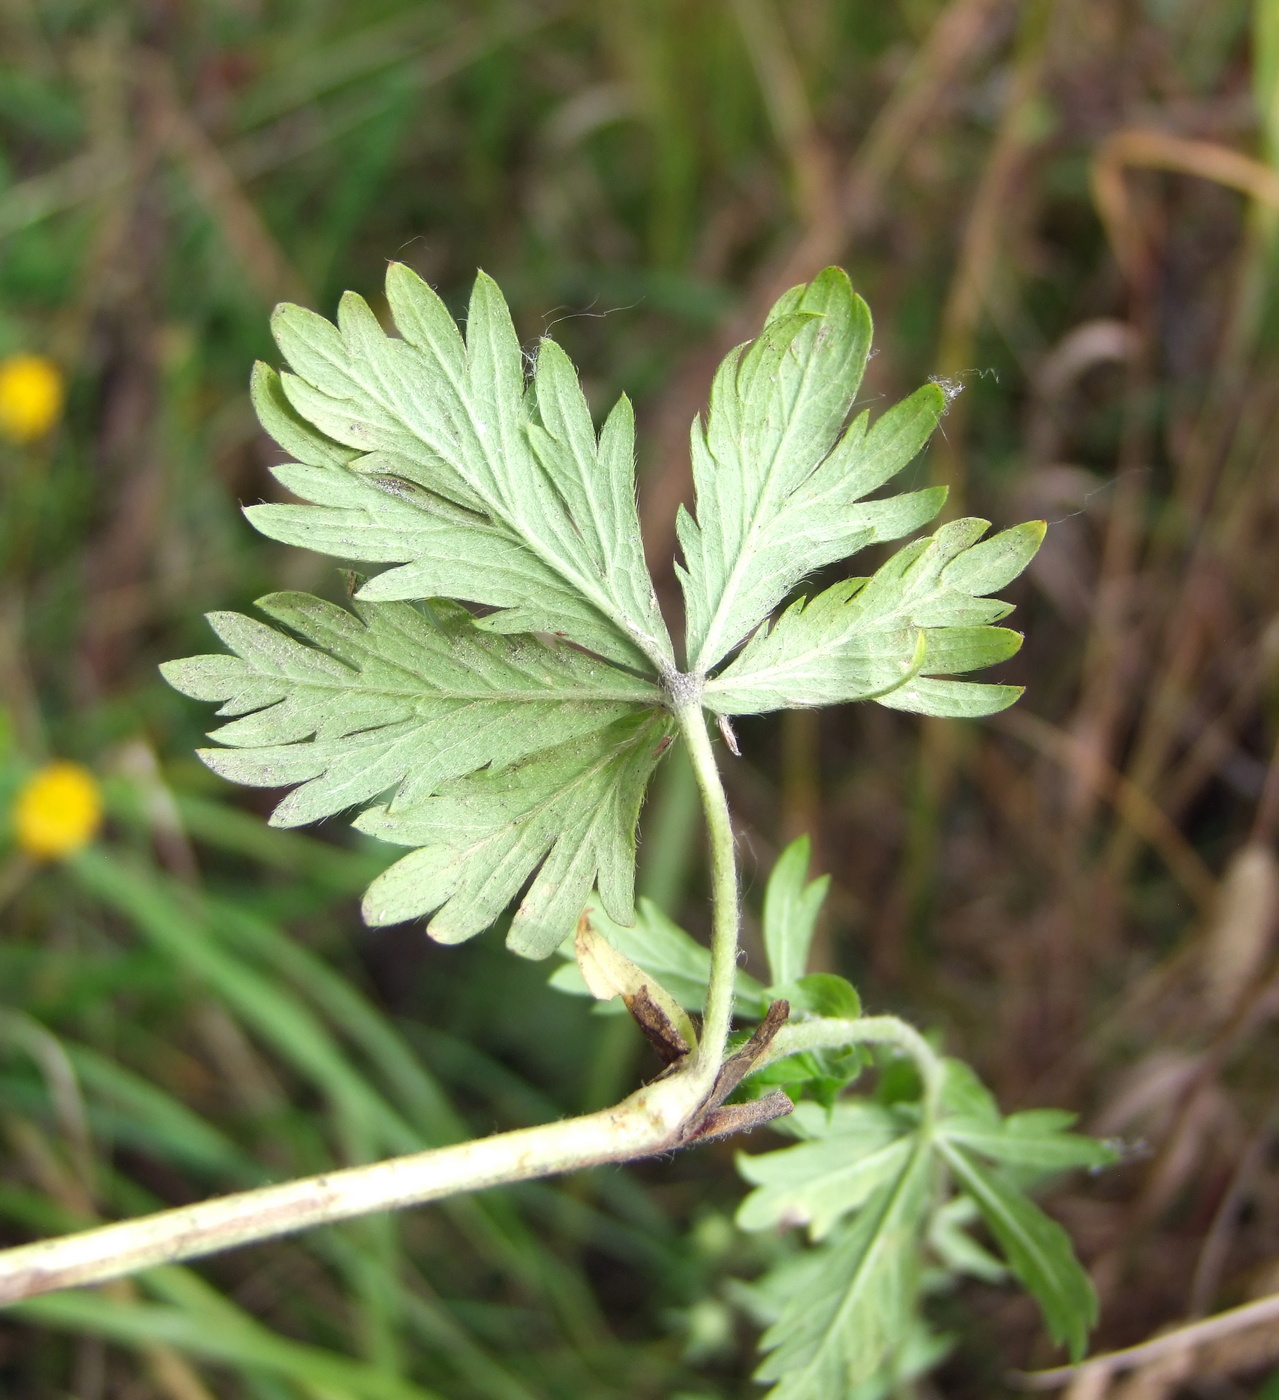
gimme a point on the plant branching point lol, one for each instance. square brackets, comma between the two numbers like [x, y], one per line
[496, 700]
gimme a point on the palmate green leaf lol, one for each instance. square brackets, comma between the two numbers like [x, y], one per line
[852, 1155]
[568, 812]
[921, 616]
[778, 480]
[856, 1308]
[435, 455]
[516, 635]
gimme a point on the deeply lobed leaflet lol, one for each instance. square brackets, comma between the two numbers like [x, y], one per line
[500, 696]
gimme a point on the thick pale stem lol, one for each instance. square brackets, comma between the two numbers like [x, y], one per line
[726, 915]
[650, 1121]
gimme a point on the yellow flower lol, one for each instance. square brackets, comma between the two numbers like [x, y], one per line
[58, 810]
[31, 393]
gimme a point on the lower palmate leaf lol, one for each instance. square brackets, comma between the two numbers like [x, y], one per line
[858, 1303]
[885, 1190]
[886, 1185]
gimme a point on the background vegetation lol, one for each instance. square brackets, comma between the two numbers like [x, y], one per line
[1068, 210]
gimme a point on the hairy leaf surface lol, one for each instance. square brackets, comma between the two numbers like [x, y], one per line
[395, 699]
[854, 1151]
[779, 489]
[479, 488]
[565, 816]
[495, 734]
[921, 616]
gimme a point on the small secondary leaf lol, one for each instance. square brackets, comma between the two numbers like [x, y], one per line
[1038, 1250]
[850, 1155]
[777, 485]
[791, 907]
[889, 637]
[837, 1330]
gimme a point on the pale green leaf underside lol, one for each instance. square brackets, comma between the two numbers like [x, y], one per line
[568, 814]
[504, 755]
[817, 1183]
[396, 700]
[479, 487]
[779, 482]
[891, 636]
[840, 1183]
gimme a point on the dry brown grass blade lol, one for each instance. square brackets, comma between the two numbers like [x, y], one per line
[1266, 823]
[791, 114]
[1238, 939]
[1112, 655]
[216, 186]
[1216, 1245]
[1196, 1334]
[1089, 1385]
[999, 189]
[1149, 149]
[1184, 863]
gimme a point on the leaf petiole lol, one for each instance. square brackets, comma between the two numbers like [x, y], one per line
[834, 1033]
[726, 903]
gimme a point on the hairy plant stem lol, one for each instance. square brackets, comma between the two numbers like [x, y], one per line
[833, 1033]
[726, 916]
[649, 1121]
[654, 1119]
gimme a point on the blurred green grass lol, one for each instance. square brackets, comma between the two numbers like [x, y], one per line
[192, 1006]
